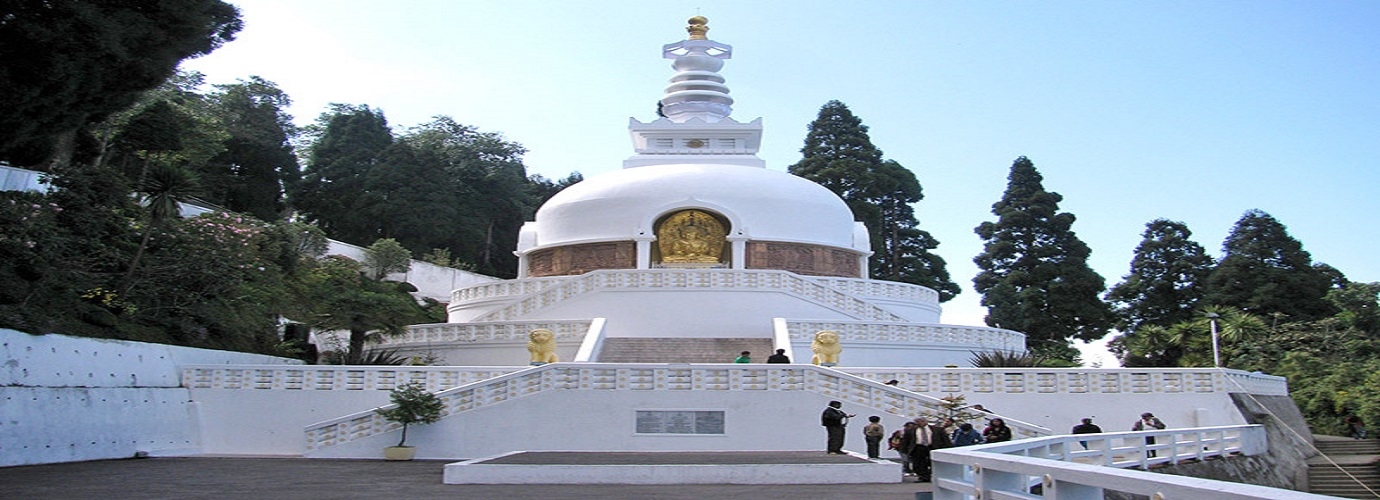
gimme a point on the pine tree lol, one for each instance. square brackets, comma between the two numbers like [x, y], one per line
[1266, 272]
[1034, 274]
[350, 141]
[839, 155]
[1166, 280]
[258, 160]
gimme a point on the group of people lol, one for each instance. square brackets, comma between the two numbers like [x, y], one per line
[914, 441]
[779, 357]
[919, 437]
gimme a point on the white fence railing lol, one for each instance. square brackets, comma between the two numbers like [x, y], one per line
[335, 377]
[922, 380]
[548, 292]
[1086, 466]
[650, 377]
[1079, 380]
[982, 338]
[497, 331]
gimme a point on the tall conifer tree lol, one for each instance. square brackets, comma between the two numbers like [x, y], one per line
[839, 155]
[1266, 272]
[350, 142]
[1166, 281]
[1034, 274]
[258, 159]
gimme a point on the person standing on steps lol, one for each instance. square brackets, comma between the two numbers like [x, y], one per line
[744, 357]
[873, 433]
[921, 440]
[996, 431]
[1087, 427]
[835, 421]
[1148, 421]
[779, 357]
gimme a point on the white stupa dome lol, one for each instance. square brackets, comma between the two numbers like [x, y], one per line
[759, 204]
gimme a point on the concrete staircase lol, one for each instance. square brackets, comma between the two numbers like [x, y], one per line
[683, 350]
[1354, 471]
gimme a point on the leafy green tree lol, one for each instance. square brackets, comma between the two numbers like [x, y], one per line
[1359, 306]
[258, 160]
[546, 188]
[69, 63]
[485, 174]
[412, 404]
[1266, 272]
[386, 257]
[1165, 283]
[210, 281]
[1034, 274]
[839, 155]
[340, 297]
[348, 142]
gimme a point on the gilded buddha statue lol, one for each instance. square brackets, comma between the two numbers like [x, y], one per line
[691, 237]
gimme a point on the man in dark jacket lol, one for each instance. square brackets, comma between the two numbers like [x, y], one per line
[834, 421]
[918, 442]
[779, 357]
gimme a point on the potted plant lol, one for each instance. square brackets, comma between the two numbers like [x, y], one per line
[412, 405]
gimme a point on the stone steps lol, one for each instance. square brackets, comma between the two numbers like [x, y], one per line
[1355, 473]
[1349, 447]
[683, 350]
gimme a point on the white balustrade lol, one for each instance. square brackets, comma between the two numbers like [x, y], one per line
[1086, 466]
[648, 377]
[495, 331]
[335, 377]
[893, 332]
[1079, 380]
[550, 291]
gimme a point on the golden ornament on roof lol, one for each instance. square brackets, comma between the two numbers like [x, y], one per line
[699, 25]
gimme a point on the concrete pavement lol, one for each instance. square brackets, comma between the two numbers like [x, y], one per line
[212, 478]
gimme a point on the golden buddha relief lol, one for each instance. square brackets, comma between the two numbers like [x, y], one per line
[691, 237]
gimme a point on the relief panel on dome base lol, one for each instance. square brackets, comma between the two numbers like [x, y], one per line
[800, 258]
[580, 259]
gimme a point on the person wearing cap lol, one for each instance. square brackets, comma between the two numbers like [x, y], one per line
[1148, 421]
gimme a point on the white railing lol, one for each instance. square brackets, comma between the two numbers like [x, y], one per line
[1085, 466]
[901, 332]
[495, 331]
[723, 279]
[920, 380]
[335, 377]
[650, 377]
[859, 287]
[1079, 380]
[505, 289]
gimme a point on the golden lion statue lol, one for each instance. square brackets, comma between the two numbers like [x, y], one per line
[826, 347]
[542, 344]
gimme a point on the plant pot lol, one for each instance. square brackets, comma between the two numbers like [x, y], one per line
[399, 453]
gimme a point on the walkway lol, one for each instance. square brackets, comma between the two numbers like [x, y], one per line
[207, 478]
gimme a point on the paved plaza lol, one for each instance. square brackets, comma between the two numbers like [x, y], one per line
[298, 478]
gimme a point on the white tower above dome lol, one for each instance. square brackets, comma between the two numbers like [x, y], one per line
[695, 126]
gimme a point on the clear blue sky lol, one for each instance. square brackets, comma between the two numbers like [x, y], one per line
[1187, 110]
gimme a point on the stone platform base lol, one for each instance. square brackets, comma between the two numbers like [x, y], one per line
[694, 467]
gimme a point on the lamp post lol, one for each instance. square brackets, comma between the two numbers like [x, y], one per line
[1212, 323]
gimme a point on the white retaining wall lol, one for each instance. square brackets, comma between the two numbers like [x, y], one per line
[70, 399]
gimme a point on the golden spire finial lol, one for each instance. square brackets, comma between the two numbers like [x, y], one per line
[698, 27]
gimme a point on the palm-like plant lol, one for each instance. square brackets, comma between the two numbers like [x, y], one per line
[161, 195]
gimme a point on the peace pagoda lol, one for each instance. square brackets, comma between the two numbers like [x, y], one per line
[694, 252]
